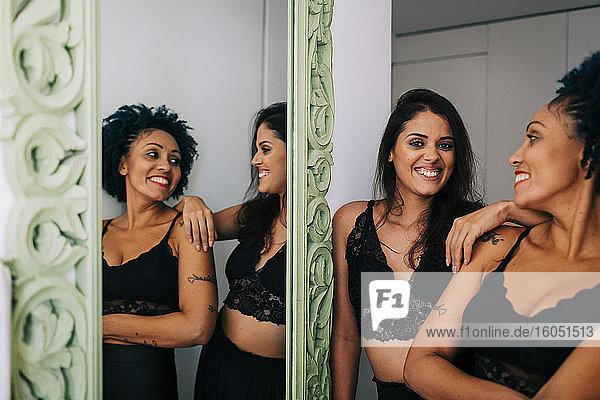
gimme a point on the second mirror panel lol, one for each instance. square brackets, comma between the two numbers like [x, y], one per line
[215, 63]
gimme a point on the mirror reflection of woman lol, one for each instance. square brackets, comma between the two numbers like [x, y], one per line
[556, 172]
[245, 358]
[149, 304]
[425, 173]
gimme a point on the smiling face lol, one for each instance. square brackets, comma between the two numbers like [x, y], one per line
[548, 163]
[151, 168]
[271, 161]
[423, 155]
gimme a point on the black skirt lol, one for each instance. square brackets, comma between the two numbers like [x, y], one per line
[138, 372]
[394, 391]
[227, 373]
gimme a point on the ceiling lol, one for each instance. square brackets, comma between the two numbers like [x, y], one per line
[410, 16]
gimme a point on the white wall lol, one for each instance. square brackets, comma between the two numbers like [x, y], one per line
[215, 63]
[411, 16]
[498, 75]
[362, 84]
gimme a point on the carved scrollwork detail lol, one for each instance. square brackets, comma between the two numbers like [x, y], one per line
[48, 102]
[48, 157]
[319, 163]
[47, 54]
[53, 232]
[319, 166]
[321, 81]
[319, 229]
[321, 296]
[49, 330]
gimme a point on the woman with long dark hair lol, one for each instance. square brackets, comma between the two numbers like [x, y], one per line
[556, 173]
[245, 357]
[425, 177]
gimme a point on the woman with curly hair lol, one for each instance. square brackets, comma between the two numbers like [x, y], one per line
[158, 291]
[556, 173]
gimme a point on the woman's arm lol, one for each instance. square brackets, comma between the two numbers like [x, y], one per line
[576, 379]
[466, 229]
[345, 340]
[194, 323]
[203, 227]
[428, 369]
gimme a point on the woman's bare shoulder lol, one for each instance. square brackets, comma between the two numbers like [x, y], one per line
[345, 216]
[492, 247]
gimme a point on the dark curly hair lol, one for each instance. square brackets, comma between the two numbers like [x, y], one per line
[124, 126]
[458, 197]
[579, 98]
[258, 213]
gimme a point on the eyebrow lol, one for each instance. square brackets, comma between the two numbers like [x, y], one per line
[426, 137]
[534, 122]
[160, 146]
[263, 142]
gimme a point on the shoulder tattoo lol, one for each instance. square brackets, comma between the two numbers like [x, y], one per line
[493, 237]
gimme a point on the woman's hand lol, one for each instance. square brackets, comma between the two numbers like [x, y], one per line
[198, 222]
[466, 229]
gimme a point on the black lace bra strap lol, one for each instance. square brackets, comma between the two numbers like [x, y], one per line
[370, 207]
[106, 226]
[166, 237]
[510, 254]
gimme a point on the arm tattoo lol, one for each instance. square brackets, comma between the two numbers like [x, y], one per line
[208, 278]
[440, 309]
[181, 224]
[211, 308]
[154, 343]
[491, 236]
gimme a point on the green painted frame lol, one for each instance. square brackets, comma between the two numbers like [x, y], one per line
[310, 263]
[50, 119]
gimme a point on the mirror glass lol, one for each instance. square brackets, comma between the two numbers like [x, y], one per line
[497, 62]
[215, 63]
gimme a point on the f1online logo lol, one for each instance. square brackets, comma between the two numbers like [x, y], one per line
[388, 300]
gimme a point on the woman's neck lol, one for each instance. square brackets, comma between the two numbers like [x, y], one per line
[575, 228]
[408, 209]
[143, 213]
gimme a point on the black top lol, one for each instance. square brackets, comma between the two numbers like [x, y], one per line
[257, 293]
[524, 369]
[364, 254]
[145, 285]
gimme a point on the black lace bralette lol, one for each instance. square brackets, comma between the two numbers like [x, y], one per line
[256, 293]
[145, 285]
[525, 369]
[364, 254]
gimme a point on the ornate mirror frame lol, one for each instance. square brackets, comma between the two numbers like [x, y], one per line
[50, 124]
[310, 263]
